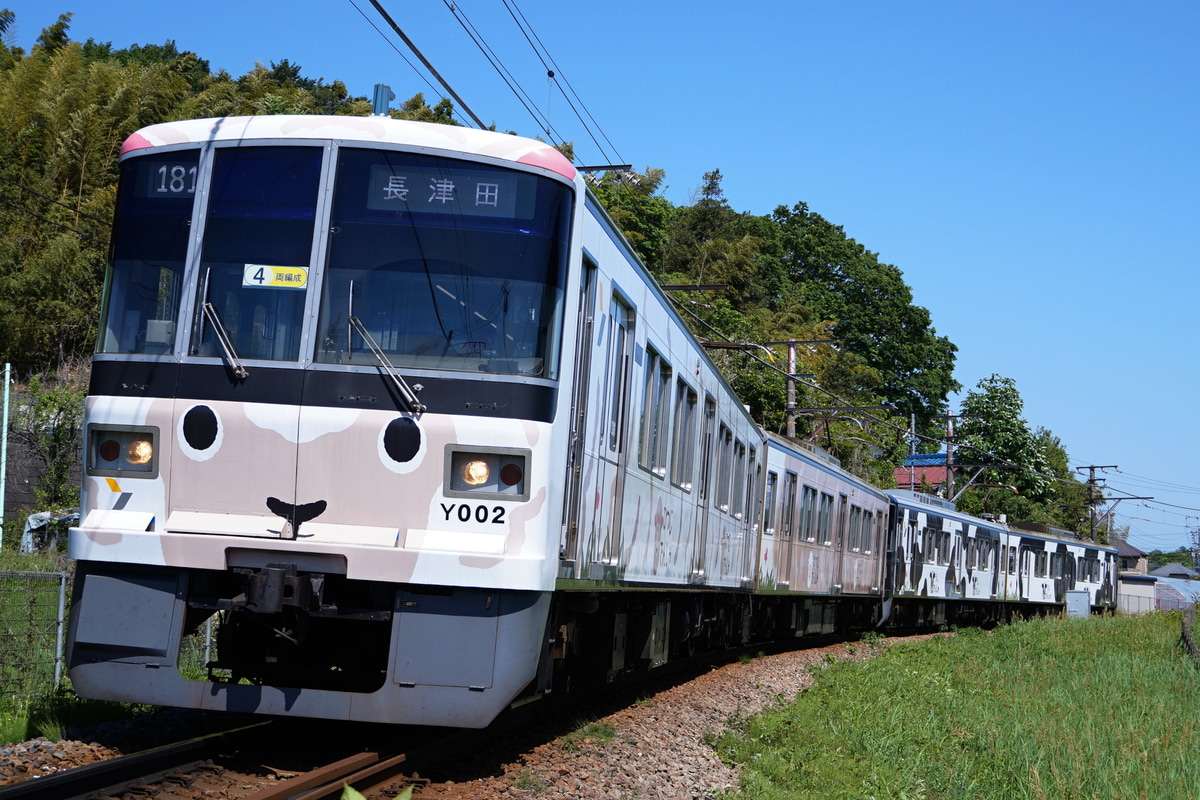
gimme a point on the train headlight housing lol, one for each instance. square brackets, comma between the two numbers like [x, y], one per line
[127, 451]
[484, 472]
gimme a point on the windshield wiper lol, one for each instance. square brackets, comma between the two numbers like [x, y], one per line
[223, 337]
[410, 397]
[210, 313]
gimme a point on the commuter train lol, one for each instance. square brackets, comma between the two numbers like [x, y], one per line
[398, 407]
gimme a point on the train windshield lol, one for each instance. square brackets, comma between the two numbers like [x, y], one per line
[258, 242]
[150, 243]
[443, 264]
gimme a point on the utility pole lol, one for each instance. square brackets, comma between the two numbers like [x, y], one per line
[949, 455]
[1094, 495]
[791, 390]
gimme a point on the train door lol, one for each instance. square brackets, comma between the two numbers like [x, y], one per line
[707, 443]
[839, 541]
[569, 546]
[612, 466]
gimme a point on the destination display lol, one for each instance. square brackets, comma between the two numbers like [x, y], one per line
[451, 191]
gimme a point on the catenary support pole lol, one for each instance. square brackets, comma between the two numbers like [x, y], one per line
[4, 449]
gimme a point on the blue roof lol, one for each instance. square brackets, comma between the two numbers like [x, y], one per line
[925, 460]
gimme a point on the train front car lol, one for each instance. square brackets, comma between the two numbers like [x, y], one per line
[321, 413]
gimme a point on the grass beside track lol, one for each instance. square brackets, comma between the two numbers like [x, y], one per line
[1043, 709]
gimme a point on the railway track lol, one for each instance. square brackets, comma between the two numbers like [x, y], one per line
[244, 764]
[142, 773]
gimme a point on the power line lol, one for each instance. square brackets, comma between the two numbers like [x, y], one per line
[75, 231]
[393, 46]
[564, 77]
[527, 31]
[72, 209]
[424, 61]
[505, 74]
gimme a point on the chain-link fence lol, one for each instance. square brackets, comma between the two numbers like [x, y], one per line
[32, 630]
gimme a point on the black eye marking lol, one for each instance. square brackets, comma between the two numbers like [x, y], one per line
[200, 427]
[402, 440]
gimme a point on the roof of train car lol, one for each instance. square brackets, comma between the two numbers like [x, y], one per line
[945, 508]
[364, 129]
[822, 459]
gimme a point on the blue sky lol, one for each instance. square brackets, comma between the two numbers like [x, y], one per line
[1031, 167]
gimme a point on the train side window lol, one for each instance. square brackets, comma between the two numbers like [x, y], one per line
[854, 538]
[825, 519]
[1012, 560]
[707, 447]
[738, 497]
[876, 532]
[622, 321]
[769, 504]
[807, 529]
[930, 545]
[683, 457]
[788, 519]
[652, 445]
[724, 467]
[754, 473]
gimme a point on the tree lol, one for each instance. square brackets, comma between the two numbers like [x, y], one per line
[55, 37]
[50, 425]
[1011, 466]
[872, 310]
[415, 108]
[644, 216]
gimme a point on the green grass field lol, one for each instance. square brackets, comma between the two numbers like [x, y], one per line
[1102, 708]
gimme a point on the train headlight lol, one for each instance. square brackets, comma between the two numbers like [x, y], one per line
[482, 472]
[476, 472]
[139, 452]
[122, 451]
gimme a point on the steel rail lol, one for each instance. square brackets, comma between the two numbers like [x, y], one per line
[114, 776]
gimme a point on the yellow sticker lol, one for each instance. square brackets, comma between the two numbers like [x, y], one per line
[275, 277]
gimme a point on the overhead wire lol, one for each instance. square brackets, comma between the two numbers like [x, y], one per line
[505, 74]
[392, 45]
[565, 80]
[527, 31]
[35, 215]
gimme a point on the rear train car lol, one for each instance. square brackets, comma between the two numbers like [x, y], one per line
[945, 566]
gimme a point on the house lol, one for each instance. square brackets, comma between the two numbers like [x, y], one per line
[1174, 570]
[1131, 559]
[921, 469]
